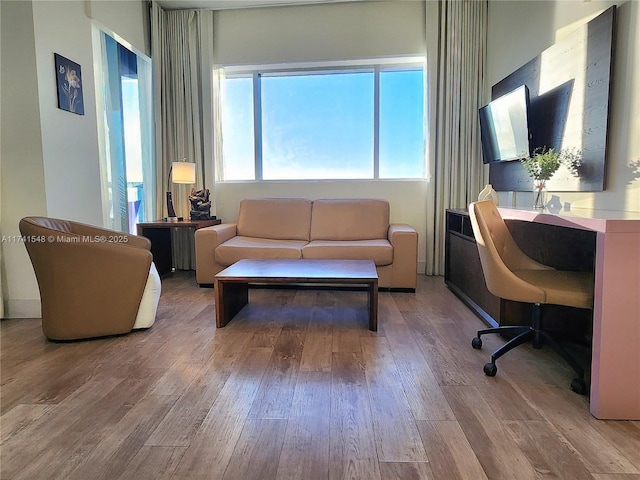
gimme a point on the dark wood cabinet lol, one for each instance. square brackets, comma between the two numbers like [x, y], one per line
[159, 233]
[559, 247]
[463, 272]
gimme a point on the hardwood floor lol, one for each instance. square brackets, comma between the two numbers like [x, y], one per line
[297, 387]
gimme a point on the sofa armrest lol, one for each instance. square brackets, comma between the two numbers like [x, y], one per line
[206, 241]
[400, 229]
[404, 240]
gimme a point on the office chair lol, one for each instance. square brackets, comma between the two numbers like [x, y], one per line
[512, 275]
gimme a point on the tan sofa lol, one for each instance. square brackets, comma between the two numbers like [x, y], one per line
[354, 229]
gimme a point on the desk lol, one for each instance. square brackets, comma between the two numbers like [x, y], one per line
[615, 360]
[159, 233]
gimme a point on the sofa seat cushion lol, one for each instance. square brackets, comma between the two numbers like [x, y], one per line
[380, 251]
[349, 219]
[240, 247]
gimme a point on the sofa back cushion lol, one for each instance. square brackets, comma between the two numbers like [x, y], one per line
[349, 219]
[276, 218]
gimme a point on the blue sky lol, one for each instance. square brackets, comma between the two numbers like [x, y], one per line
[322, 126]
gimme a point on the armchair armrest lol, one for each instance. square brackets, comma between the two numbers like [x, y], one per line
[404, 240]
[206, 241]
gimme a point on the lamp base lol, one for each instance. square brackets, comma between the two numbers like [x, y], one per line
[171, 213]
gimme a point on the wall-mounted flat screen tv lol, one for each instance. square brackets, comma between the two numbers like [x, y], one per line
[504, 128]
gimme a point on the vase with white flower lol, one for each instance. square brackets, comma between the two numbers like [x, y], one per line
[542, 165]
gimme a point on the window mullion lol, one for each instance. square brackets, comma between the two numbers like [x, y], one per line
[376, 123]
[257, 126]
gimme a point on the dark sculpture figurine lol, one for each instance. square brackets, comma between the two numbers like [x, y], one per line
[200, 204]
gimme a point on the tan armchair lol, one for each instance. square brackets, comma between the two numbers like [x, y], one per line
[512, 275]
[91, 280]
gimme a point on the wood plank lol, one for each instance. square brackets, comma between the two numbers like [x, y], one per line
[67, 447]
[19, 418]
[397, 437]
[153, 463]
[405, 471]
[487, 436]
[557, 404]
[546, 450]
[317, 352]
[21, 449]
[353, 444]
[451, 363]
[275, 394]
[424, 395]
[213, 445]
[451, 456]
[616, 476]
[110, 457]
[388, 311]
[182, 422]
[305, 452]
[257, 451]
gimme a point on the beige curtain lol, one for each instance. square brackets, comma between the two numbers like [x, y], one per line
[178, 48]
[455, 92]
[216, 87]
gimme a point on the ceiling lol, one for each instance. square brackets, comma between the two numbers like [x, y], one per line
[229, 4]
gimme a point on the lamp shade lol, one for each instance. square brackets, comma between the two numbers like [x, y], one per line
[183, 172]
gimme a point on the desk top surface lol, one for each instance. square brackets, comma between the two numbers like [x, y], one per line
[605, 221]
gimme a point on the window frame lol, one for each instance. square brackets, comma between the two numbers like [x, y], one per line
[365, 66]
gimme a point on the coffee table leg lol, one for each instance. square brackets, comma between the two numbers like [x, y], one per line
[373, 306]
[231, 297]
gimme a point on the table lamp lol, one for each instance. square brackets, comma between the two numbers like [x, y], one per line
[180, 172]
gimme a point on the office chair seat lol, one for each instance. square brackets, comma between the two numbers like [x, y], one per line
[512, 275]
[561, 287]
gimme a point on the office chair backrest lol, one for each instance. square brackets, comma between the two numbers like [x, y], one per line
[500, 256]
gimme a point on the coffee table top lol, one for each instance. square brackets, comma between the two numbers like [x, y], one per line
[302, 270]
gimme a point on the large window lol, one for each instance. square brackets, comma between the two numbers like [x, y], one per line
[357, 123]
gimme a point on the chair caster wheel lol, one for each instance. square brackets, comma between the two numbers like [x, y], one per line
[490, 369]
[476, 343]
[579, 386]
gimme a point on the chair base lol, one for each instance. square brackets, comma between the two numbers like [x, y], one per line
[538, 337]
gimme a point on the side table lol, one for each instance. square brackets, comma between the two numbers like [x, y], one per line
[159, 233]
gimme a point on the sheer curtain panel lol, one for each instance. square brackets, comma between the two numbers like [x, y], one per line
[179, 46]
[455, 93]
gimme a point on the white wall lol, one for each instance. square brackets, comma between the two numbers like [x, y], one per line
[519, 31]
[69, 141]
[21, 162]
[49, 156]
[126, 19]
[319, 32]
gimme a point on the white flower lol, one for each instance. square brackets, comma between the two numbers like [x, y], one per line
[73, 79]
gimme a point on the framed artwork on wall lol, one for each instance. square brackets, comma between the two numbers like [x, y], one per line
[69, 80]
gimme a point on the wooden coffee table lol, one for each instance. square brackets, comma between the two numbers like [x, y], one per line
[232, 284]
